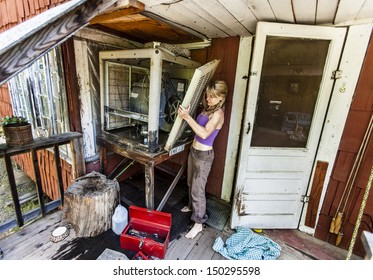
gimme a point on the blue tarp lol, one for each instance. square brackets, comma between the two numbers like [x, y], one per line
[247, 245]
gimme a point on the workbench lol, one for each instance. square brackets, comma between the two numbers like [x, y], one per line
[147, 159]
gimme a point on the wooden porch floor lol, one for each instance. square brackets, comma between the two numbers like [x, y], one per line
[32, 242]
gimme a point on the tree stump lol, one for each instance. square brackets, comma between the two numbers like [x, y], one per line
[89, 204]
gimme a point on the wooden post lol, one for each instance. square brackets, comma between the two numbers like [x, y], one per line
[316, 189]
[149, 186]
[58, 171]
[154, 99]
[103, 161]
[13, 189]
[78, 162]
[173, 184]
[39, 188]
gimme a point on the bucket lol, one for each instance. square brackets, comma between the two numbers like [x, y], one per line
[120, 219]
[18, 135]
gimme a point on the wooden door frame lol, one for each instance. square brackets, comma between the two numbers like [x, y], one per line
[351, 63]
[235, 126]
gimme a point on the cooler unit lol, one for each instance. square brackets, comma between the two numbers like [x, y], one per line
[141, 91]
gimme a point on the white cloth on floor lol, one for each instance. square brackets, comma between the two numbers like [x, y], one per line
[247, 245]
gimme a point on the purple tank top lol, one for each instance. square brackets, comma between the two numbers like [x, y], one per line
[202, 120]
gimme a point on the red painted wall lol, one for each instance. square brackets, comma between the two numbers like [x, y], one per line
[13, 12]
[227, 51]
[356, 126]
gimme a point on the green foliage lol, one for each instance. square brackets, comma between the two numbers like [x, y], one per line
[13, 120]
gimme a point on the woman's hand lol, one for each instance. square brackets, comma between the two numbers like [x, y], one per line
[184, 112]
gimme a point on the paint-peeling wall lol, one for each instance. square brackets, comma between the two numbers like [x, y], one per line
[87, 45]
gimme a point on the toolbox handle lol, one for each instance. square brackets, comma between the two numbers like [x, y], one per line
[141, 243]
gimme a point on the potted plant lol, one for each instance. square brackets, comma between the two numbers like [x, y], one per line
[17, 130]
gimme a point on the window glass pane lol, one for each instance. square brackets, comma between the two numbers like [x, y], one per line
[38, 93]
[289, 87]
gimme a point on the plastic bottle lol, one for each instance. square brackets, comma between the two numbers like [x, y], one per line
[119, 219]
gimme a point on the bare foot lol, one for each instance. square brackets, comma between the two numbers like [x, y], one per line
[197, 228]
[186, 209]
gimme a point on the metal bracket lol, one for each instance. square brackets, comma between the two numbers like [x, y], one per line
[336, 74]
[254, 73]
[141, 242]
[248, 128]
[305, 199]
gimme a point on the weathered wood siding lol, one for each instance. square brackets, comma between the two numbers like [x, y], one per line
[13, 12]
[356, 126]
[6, 105]
[48, 172]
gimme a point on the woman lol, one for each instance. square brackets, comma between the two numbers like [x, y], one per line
[201, 155]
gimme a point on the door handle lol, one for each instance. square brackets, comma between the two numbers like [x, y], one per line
[248, 128]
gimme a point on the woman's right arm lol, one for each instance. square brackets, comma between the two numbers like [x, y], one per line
[201, 131]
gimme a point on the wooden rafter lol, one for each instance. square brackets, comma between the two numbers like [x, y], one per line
[118, 12]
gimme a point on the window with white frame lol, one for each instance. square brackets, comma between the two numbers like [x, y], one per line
[38, 94]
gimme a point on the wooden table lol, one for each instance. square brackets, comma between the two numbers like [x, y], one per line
[54, 142]
[147, 159]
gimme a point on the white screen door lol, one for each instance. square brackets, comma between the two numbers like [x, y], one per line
[289, 89]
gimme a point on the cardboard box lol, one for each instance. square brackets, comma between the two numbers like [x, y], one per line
[147, 231]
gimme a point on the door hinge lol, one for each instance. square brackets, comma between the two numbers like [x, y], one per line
[336, 74]
[248, 128]
[305, 199]
[254, 73]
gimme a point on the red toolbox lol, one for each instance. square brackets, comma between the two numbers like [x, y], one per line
[140, 256]
[147, 231]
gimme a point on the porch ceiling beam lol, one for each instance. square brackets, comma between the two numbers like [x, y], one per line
[26, 42]
[120, 10]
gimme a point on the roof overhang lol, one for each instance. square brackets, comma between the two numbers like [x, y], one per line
[26, 42]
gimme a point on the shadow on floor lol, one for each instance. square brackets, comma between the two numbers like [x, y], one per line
[132, 193]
